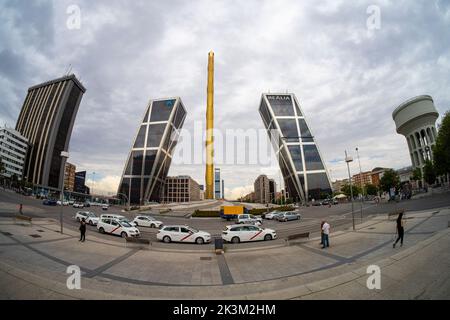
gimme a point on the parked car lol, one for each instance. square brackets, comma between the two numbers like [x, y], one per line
[249, 218]
[118, 227]
[183, 234]
[113, 216]
[87, 204]
[326, 202]
[316, 204]
[65, 203]
[288, 216]
[89, 217]
[104, 207]
[247, 232]
[146, 221]
[271, 215]
[78, 205]
[49, 202]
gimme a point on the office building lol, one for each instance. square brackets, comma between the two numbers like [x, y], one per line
[69, 177]
[46, 121]
[80, 183]
[416, 120]
[304, 172]
[264, 189]
[217, 184]
[209, 170]
[181, 189]
[150, 156]
[13, 152]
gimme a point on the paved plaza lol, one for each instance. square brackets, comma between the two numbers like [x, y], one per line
[34, 259]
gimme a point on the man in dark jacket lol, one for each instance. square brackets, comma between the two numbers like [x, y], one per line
[82, 230]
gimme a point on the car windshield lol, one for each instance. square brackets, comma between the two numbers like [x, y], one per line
[192, 230]
[125, 224]
[90, 214]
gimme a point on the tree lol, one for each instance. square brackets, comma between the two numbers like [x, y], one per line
[429, 174]
[346, 190]
[441, 150]
[389, 180]
[371, 189]
[417, 175]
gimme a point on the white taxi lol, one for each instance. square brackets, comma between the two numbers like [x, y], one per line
[146, 221]
[118, 227]
[247, 232]
[183, 234]
[89, 217]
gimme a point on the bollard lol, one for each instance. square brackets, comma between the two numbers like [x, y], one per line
[218, 245]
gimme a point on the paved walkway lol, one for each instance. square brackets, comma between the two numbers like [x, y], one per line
[33, 262]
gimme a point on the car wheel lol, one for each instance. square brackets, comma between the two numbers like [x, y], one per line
[235, 240]
[167, 239]
[268, 237]
[91, 223]
[152, 225]
[123, 234]
[101, 230]
[199, 240]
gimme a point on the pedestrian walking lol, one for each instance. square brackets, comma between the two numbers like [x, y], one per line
[326, 235]
[400, 230]
[321, 232]
[82, 230]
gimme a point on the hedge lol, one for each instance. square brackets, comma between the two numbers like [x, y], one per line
[261, 211]
[206, 213]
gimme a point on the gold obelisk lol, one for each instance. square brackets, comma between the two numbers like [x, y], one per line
[209, 174]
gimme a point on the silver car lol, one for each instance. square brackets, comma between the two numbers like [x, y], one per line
[288, 216]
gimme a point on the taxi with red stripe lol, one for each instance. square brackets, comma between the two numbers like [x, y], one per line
[247, 232]
[180, 233]
[120, 227]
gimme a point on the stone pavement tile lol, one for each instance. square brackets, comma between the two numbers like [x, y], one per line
[167, 267]
[5, 239]
[22, 233]
[281, 262]
[88, 255]
[351, 290]
[331, 282]
[26, 259]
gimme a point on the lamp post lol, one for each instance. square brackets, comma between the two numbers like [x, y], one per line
[64, 156]
[361, 182]
[349, 159]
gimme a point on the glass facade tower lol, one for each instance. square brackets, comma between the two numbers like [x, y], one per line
[149, 160]
[217, 184]
[304, 172]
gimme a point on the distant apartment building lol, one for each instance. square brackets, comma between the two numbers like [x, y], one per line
[13, 152]
[181, 189]
[69, 176]
[262, 187]
[363, 178]
[46, 120]
[248, 197]
[376, 175]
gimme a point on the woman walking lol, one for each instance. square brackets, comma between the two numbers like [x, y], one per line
[400, 230]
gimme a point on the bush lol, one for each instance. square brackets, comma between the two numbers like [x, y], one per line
[206, 213]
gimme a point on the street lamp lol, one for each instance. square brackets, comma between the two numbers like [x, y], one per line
[349, 159]
[361, 182]
[64, 156]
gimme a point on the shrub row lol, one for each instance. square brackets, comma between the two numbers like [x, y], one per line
[206, 213]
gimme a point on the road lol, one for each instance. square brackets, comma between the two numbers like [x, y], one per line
[339, 217]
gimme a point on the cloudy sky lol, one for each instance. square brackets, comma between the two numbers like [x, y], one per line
[347, 76]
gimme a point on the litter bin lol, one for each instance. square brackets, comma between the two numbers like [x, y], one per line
[218, 245]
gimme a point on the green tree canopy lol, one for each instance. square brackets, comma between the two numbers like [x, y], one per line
[389, 180]
[429, 174]
[371, 189]
[441, 150]
[417, 175]
[346, 190]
